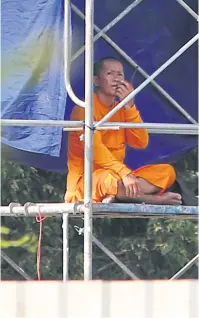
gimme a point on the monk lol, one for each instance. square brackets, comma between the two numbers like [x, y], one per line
[113, 181]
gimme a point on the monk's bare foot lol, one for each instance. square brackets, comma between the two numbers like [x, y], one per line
[171, 198]
[109, 199]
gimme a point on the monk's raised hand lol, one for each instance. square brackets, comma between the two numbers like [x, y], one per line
[131, 185]
[124, 88]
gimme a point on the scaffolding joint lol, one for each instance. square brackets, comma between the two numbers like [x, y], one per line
[79, 230]
[11, 206]
[77, 207]
[82, 136]
[26, 206]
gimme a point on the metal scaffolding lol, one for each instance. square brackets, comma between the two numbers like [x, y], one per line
[87, 208]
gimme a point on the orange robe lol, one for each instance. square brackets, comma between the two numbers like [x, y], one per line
[109, 153]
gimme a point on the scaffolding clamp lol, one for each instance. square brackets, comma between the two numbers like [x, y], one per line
[13, 205]
[26, 206]
[76, 209]
[79, 230]
[81, 138]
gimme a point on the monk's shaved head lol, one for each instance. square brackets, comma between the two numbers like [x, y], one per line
[108, 73]
[98, 66]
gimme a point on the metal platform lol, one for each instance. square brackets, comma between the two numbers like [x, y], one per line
[114, 210]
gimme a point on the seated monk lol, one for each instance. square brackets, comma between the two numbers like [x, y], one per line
[112, 179]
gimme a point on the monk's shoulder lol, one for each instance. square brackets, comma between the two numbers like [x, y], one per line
[78, 113]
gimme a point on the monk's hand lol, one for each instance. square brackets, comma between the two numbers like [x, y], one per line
[125, 88]
[131, 185]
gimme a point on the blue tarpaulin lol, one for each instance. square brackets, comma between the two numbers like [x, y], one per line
[33, 74]
[33, 82]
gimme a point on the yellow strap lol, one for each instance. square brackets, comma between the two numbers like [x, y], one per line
[4, 230]
[29, 242]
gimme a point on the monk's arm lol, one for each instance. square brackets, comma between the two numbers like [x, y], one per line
[75, 157]
[75, 147]
[102, 156]
[136, 138]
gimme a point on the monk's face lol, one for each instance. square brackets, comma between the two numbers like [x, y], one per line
[111, 75]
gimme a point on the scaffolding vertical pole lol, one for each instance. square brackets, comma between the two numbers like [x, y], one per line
[65, 246]
[88, 140]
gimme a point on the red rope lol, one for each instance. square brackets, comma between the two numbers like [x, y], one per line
[40, 220]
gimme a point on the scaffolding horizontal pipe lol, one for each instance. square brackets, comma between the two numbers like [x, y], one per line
[42, 123]
[118, 210]
[173, 132]
[157, 128]
[150, 130]
[150, 125]
[110, 125]
[98, 128]
[33, 209]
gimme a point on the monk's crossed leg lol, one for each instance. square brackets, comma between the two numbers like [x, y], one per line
[153, 180]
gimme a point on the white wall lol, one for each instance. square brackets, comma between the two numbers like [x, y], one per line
[96, 299]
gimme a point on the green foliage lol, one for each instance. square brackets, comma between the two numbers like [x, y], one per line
[27, 184]
[151, 248]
